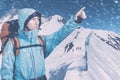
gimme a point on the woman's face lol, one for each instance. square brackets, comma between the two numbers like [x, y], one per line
[33, 24]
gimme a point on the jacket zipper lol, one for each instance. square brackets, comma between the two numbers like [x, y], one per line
[32, 59]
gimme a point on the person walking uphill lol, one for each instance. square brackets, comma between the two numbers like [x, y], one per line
[29, 64]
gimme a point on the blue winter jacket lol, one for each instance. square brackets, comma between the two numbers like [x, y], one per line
[30, 62]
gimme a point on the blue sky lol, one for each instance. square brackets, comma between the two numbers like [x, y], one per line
[101, 14]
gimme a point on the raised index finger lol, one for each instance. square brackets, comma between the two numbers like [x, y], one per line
[82, 9]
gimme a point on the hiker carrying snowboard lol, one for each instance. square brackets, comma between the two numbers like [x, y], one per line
[29, 64]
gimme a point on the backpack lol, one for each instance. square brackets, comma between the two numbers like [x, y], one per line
[9, 31]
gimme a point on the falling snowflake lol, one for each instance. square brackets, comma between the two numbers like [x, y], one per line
[116, 1]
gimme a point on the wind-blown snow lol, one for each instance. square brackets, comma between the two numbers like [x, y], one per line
[86, 54]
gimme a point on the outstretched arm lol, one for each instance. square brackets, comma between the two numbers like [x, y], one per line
[53, 40]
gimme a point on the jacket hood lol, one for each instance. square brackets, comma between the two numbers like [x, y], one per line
[23, 15]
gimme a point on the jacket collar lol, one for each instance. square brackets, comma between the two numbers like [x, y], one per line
[29, 35]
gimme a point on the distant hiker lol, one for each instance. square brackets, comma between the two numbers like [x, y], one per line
[29, 62]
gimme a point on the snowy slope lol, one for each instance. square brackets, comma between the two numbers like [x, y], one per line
[51, 24]
[103, 60]
[86, 54]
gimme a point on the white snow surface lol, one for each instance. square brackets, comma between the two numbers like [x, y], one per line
[86, 54]
[89, 59]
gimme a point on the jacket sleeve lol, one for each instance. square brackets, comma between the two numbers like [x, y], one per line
[7, 65]
[54, 39]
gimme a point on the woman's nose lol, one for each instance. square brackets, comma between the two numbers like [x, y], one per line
[36, 21]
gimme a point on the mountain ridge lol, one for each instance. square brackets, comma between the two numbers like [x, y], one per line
[75, 53]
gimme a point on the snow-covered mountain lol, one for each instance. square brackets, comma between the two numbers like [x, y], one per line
[86, 54]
